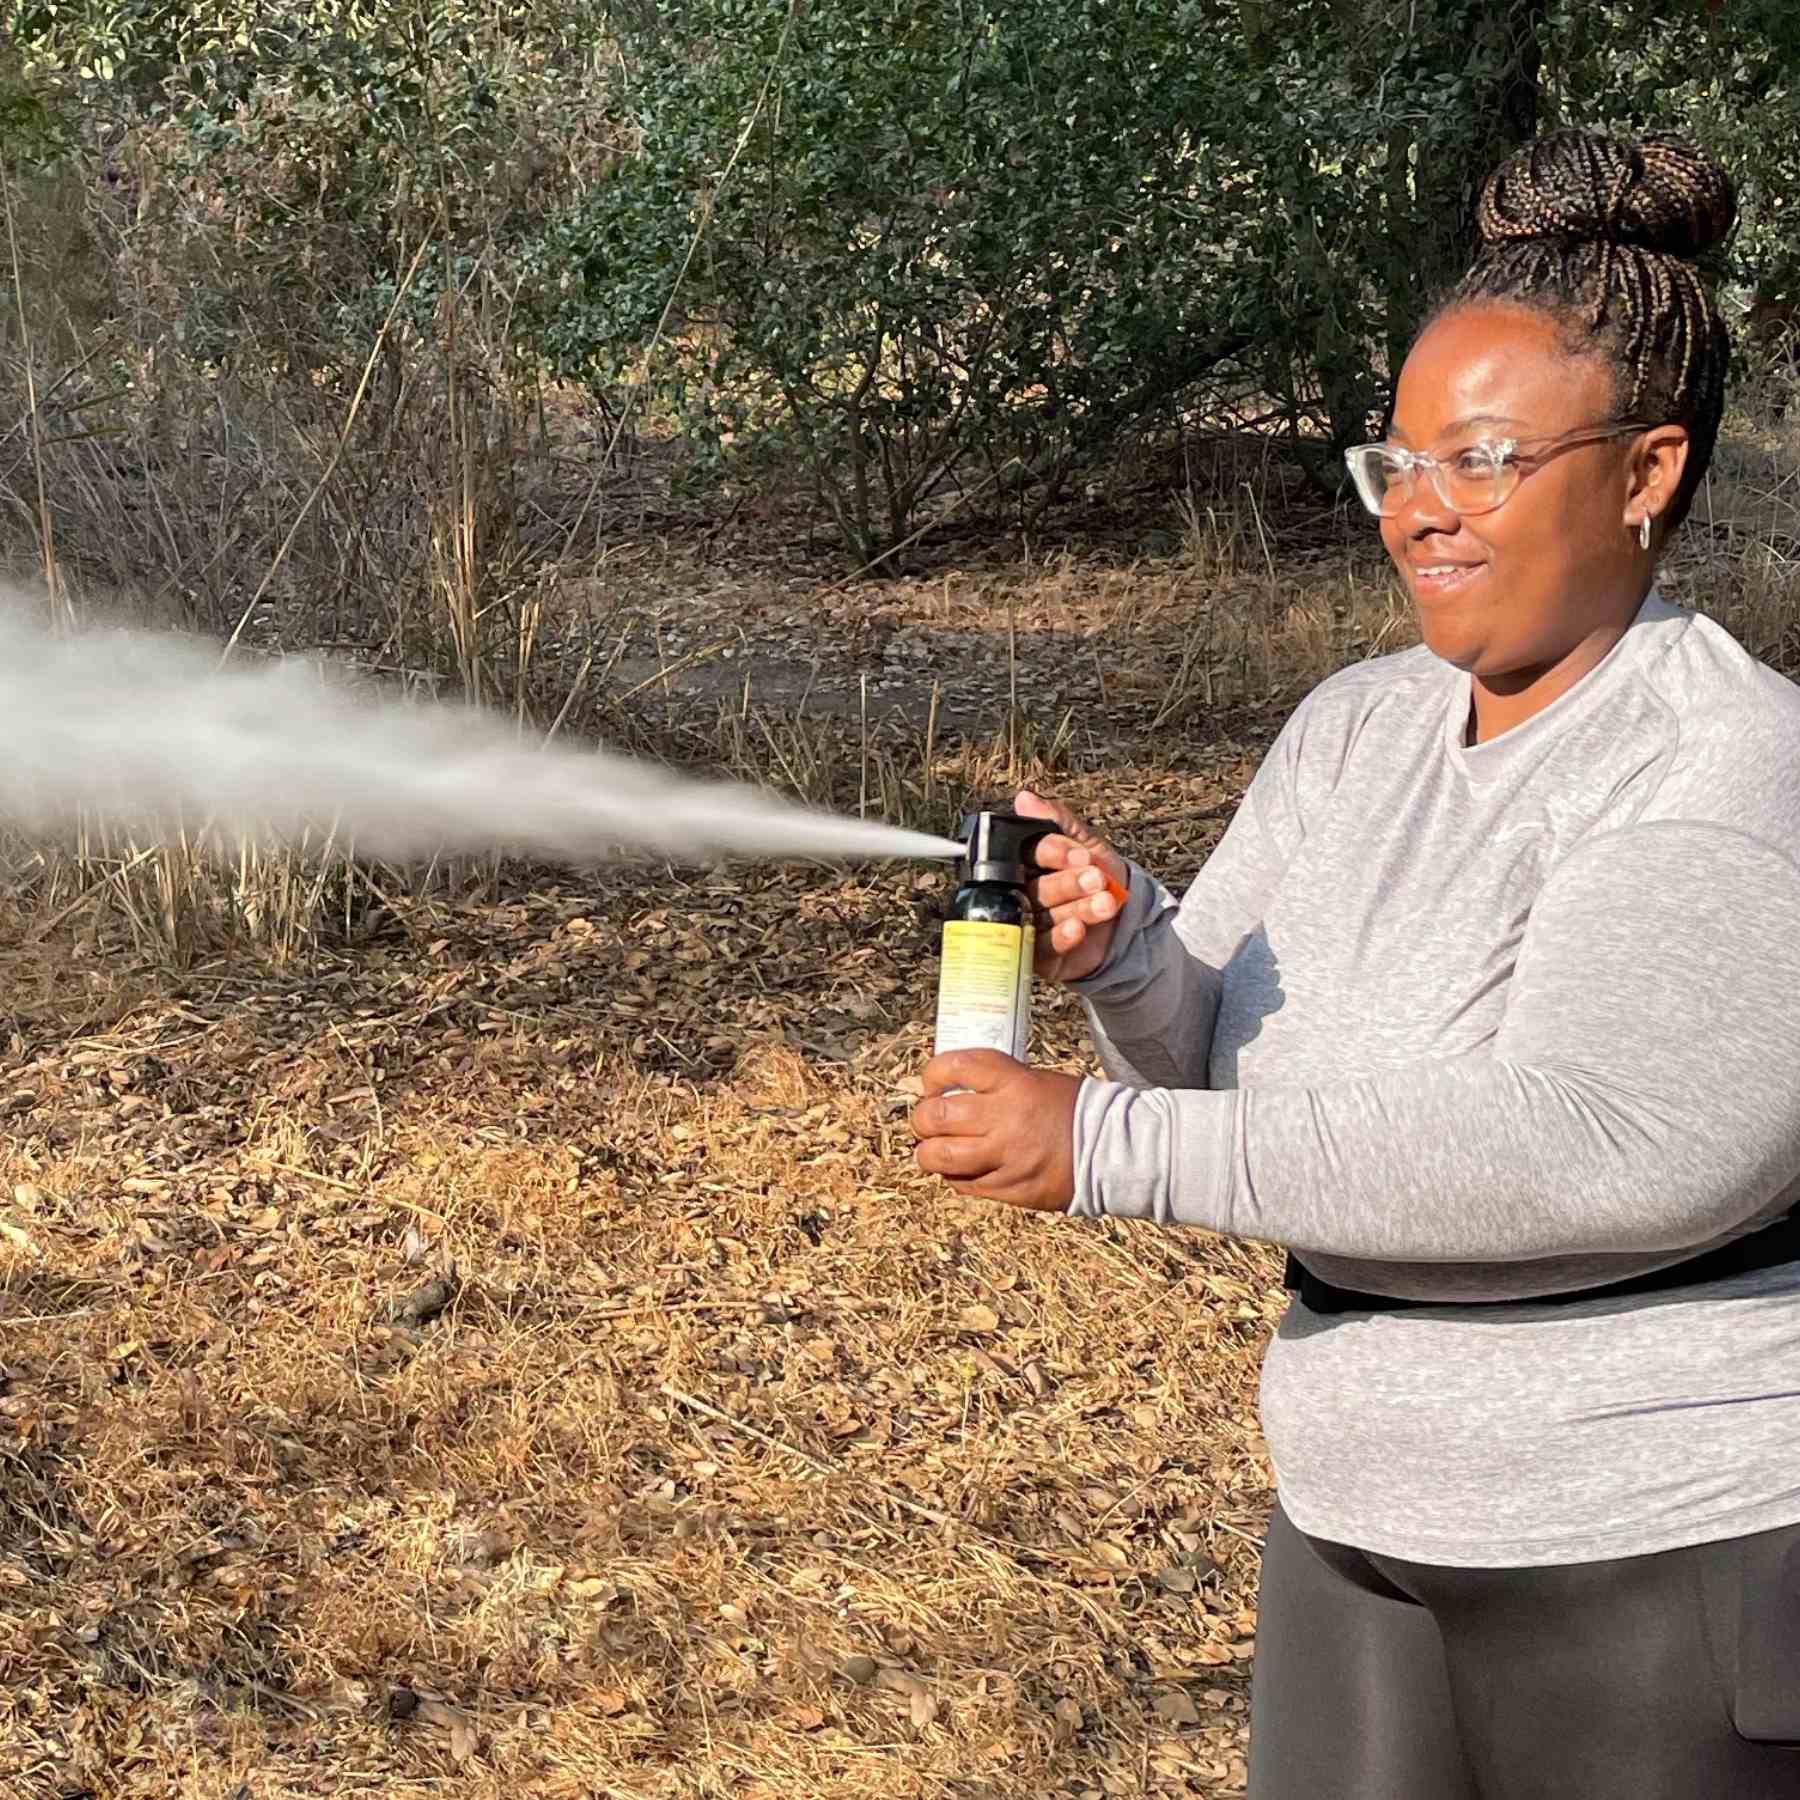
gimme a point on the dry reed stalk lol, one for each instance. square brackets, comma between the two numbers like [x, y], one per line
[50, 564]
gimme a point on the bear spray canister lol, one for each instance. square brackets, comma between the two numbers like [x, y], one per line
[984, 980]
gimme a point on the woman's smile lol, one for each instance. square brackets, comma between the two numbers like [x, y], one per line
[1438, 579]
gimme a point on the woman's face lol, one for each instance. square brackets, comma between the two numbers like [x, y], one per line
[1512, 593]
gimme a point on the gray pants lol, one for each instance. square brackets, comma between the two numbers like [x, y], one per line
[1666, 1677]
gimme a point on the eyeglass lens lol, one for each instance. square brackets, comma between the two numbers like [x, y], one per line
[1468, 484]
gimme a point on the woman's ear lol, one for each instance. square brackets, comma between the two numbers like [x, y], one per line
[1658, 461]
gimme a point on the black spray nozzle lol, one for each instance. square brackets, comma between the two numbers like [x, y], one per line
[997, 846]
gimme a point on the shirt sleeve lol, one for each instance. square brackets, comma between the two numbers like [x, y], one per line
[1152, 1004]
[1641, 1095]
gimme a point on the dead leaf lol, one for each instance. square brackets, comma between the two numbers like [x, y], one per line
[1067, 1719]
[595, 1587]
[924, 1708]
[979, 1318]
[432, 1711]
[462, 1741]
[1174, 1707]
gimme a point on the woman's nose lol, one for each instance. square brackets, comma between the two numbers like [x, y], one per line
[1421, 509]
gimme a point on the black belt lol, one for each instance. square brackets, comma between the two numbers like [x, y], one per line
[1761, 1249]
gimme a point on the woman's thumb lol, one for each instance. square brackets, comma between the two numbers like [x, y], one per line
[1034, 806]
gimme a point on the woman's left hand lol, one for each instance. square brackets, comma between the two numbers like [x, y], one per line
[1010, 1137]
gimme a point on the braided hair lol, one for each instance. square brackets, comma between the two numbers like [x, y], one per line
[1606, 235]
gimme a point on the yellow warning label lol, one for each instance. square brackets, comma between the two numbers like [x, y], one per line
[984, 988]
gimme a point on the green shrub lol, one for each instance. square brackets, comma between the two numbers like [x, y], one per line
[964, 235]
[917, 253]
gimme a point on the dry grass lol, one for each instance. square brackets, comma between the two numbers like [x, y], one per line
[721, 1395]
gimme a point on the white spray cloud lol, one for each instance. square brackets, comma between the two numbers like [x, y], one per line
[146, 727]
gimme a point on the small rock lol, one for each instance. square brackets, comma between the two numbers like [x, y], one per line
[402, 1703]
[487, 1549]
[424, 1304]
[860, 1669]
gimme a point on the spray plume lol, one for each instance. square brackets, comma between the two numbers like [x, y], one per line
[145, 727]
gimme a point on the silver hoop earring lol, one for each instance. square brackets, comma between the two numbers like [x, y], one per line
[1644, 531]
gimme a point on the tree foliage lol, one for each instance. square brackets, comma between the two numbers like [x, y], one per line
[325, 141]
[925, 249]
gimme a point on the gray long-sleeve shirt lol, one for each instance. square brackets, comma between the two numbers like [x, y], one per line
[1473, 1022]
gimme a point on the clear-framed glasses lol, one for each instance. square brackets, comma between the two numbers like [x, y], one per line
[1472, 480]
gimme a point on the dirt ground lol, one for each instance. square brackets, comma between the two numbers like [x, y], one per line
[510, 1350]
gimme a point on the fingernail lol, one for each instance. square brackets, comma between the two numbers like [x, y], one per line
[1092, 881]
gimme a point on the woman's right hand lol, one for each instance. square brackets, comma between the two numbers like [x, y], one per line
[1073, 891]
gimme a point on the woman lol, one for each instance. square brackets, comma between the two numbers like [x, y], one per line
[1488, 1006]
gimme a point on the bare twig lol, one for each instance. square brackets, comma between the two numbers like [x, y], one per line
[1249, 1537]
[745, 1429]
[91, 893]
[337, 452]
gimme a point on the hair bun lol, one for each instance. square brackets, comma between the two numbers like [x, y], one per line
[1658, 191]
